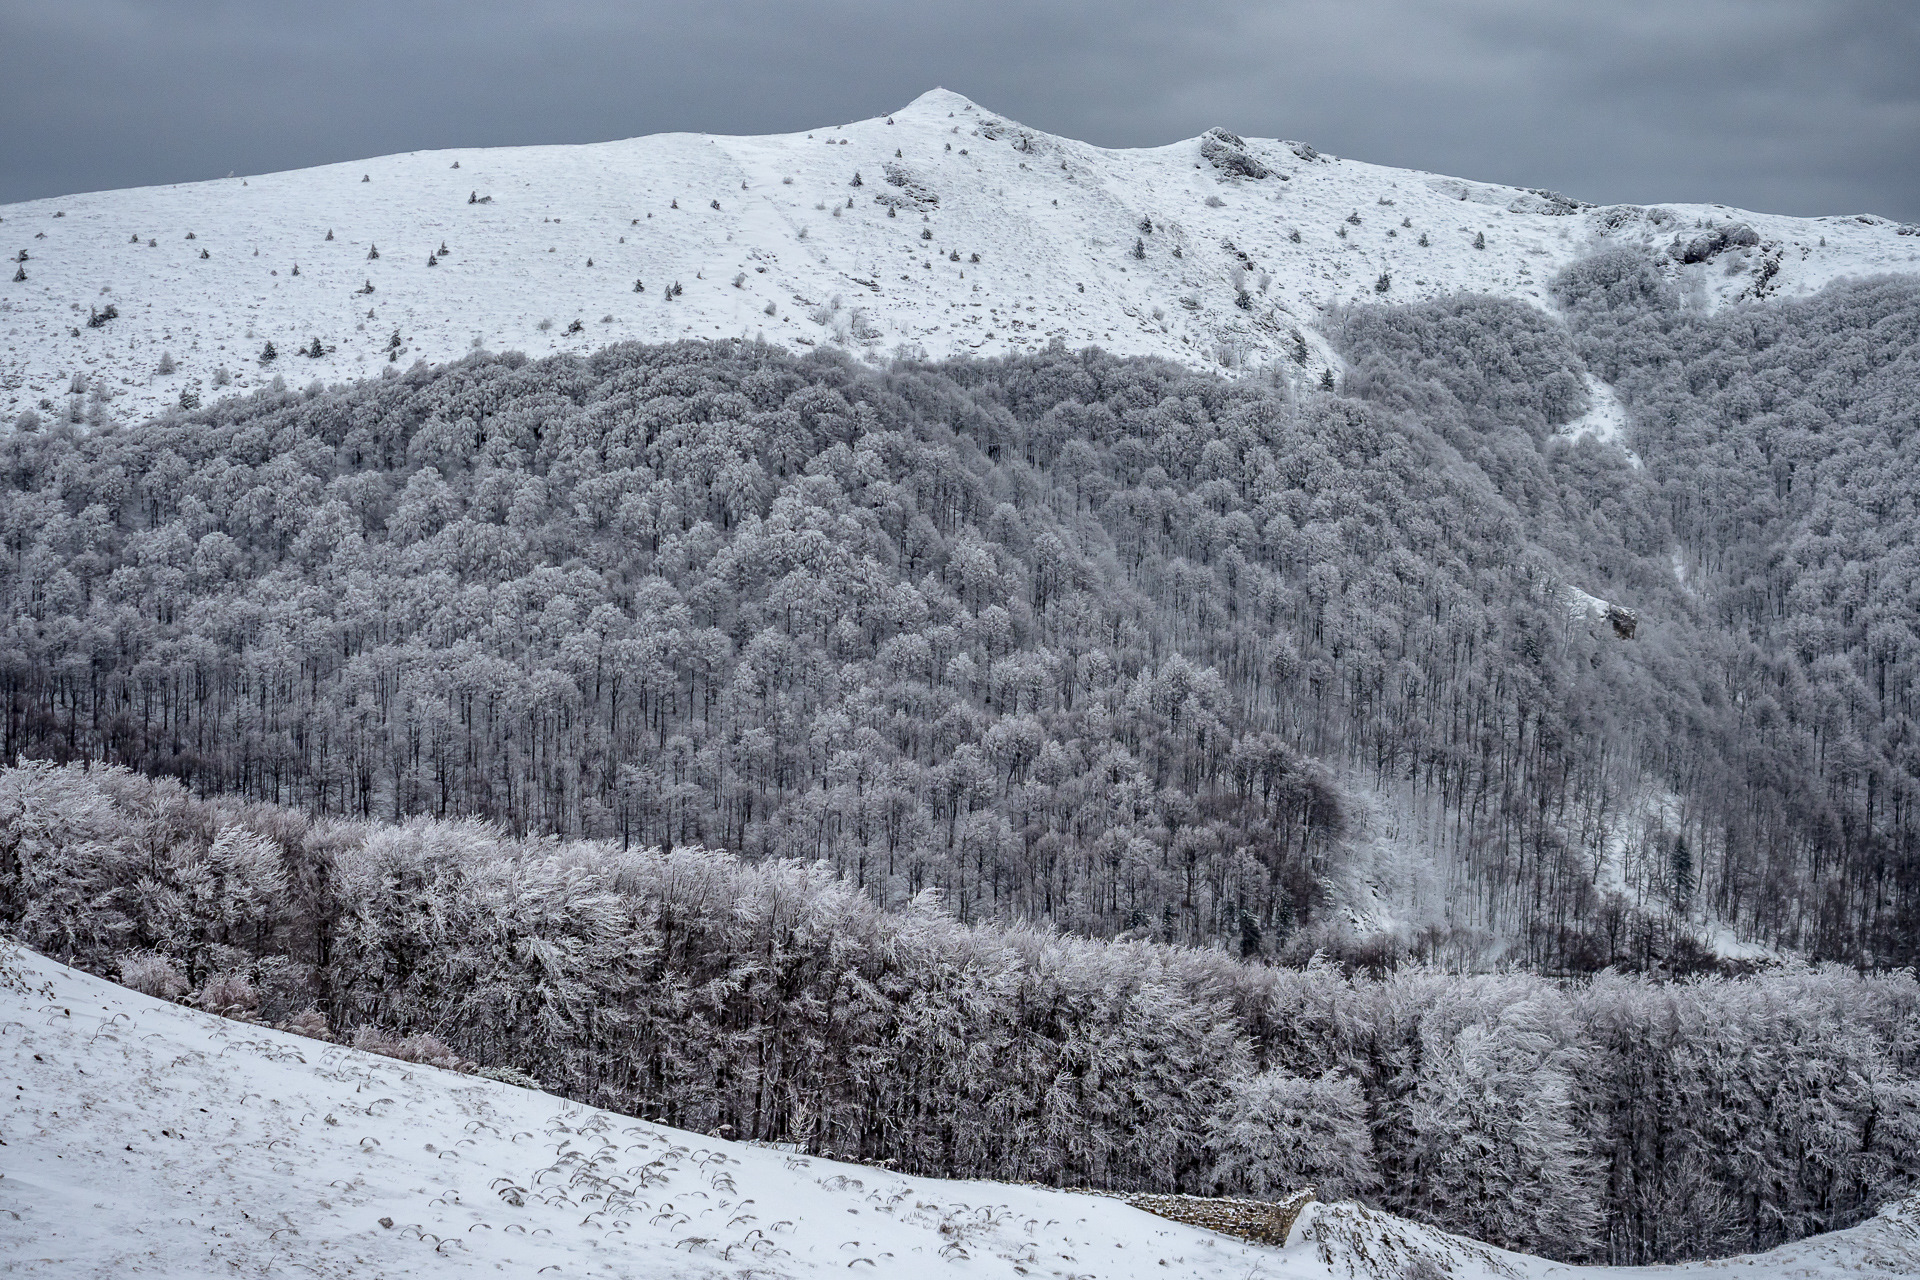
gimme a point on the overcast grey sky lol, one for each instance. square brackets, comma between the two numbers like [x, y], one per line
[1790, 106]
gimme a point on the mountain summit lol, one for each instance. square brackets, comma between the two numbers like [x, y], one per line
[943, 228]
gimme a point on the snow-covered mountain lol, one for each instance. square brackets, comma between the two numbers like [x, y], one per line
[140, 1137]
[967, 233]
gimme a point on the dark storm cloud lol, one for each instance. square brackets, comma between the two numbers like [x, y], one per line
[1794, 107]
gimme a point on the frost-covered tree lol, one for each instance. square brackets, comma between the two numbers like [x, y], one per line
[1277, 1132]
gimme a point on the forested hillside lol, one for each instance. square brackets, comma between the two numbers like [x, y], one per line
[1622, 1119]
[1782, 446]
[1099, 642]
[1065, 638]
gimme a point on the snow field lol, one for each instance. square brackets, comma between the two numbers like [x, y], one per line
[760, 237]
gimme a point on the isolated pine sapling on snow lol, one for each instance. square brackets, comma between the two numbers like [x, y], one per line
[1479, 239]
[166, 364]
[267, 354]
[1139, 248]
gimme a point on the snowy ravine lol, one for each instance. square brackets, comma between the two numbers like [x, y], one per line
[146, 1138]
[1179, 251]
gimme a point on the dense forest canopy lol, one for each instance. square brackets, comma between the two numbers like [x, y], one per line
[1620, 1119]
[1097, 642]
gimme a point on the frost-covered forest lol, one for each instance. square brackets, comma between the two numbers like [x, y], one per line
[1071, 639]
[1614, 1118]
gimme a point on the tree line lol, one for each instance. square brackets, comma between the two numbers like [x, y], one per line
[1615, 1119]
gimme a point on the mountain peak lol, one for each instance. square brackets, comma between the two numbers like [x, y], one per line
[940, 101]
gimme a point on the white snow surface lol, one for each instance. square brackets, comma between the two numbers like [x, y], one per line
[1605, 419]
[1053, 221]
[144, 1138]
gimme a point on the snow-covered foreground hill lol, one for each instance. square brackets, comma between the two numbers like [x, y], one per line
[142, 1138]
[967, 233]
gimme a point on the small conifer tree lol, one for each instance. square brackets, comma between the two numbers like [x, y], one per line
[267, 354]
[166, 364]
[1479, 239]
[1326, 379]
[1139, 248]
[373, 251]
[19, 275]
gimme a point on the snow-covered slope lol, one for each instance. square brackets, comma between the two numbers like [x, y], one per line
[144, 1138]
[748, 228]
